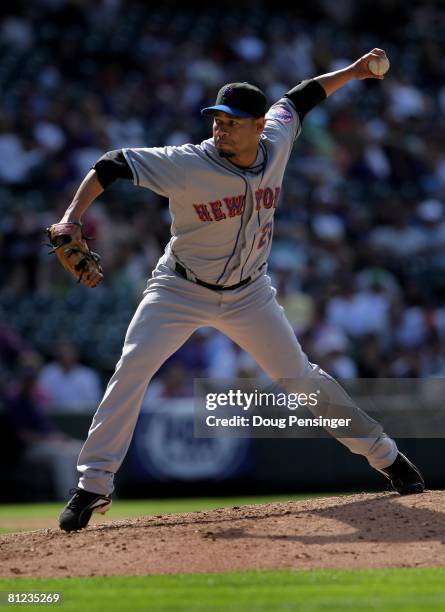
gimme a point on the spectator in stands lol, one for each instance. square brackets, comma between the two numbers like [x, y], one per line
[70, 386]
[331, 349]
[37, 438]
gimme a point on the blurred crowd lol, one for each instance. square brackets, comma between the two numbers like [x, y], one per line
[359, 245]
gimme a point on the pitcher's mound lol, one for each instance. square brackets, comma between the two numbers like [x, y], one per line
[355, 531]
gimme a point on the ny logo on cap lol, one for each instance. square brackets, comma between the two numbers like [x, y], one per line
[227, 93]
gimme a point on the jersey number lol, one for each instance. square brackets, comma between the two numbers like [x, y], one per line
[266, 235]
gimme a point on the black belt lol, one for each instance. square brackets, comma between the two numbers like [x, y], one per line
[182, 272]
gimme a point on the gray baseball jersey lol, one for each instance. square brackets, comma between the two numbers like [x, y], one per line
[222, 215]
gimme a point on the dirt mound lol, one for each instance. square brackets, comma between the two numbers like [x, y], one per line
[357, 531]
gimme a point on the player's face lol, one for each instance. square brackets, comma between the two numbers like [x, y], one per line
[236, 137]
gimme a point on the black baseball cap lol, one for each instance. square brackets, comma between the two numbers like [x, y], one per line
[239, 100]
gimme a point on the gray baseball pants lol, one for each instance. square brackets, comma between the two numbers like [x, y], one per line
[171, 310]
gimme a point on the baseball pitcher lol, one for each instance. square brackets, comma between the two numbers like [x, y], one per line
[222, 195]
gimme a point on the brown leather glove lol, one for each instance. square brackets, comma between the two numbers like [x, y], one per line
[74, 253]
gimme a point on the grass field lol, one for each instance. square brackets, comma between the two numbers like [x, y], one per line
[384, 590]
[376, 590]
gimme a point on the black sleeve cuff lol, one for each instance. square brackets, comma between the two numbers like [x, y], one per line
[305, 96]
[112, 166]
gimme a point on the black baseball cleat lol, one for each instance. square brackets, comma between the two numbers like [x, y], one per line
[403, 476]
[81, 506]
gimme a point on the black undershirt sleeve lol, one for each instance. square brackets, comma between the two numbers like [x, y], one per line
[305, 96]
[112, 166]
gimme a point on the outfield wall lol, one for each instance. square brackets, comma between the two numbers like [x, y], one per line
[165, 459]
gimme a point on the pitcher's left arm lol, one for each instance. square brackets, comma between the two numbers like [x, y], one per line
[307, 94]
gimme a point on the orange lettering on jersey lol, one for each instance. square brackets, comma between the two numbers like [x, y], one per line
[213, 211]
[216, 210]
[202, 212]
[259, 197]
[268, 198]
[276, 196]
[235, 205]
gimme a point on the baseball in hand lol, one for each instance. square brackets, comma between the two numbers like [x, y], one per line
[379, 65]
